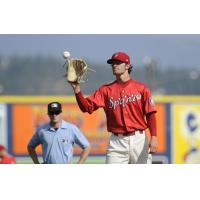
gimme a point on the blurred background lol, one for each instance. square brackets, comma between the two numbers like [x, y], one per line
[169, 64]
[32, 75]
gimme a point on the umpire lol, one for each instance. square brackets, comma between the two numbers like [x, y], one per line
[57, 139]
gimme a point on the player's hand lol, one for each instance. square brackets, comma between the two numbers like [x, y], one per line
[75, 86]
[153, 144]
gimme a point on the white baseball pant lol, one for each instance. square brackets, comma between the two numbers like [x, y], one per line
[129, 149]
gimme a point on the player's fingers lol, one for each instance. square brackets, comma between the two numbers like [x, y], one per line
[153, 149]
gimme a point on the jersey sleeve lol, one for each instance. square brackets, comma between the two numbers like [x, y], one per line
[151, 121]
[91, 103]
[97, 98]
[35, 140]
[149, 104]
[80, 138]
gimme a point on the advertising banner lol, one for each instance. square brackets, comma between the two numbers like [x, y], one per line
[28, 117]
[161, 128]
[186, 133]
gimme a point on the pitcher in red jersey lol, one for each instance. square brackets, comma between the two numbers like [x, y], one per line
[129, 109]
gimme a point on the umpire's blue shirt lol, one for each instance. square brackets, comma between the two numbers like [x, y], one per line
[57, 146]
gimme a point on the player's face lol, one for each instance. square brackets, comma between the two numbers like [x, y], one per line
[119, 68]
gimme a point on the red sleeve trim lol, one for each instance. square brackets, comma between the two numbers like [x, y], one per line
[151, 121]
[83, 103]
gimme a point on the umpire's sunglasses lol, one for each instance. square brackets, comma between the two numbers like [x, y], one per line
[54, 112]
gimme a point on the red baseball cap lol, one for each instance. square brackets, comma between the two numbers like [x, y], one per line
[2, 147]
[121, 56]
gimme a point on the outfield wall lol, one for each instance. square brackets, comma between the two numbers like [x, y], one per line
[178, 125]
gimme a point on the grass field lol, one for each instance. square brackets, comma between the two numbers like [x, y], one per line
[90, 160]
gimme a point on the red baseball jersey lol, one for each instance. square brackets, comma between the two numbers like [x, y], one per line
[125, 105]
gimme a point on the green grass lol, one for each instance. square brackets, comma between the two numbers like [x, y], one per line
[90, 160]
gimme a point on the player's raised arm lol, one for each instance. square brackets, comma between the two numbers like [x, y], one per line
[76, 87]
[82, 102]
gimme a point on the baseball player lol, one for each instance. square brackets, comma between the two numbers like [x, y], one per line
[57, 139]
[129, 109]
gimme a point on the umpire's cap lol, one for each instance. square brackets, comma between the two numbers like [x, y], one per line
[54, 108]
[120, 56]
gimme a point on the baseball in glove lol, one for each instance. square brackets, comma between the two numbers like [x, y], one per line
[76, 70]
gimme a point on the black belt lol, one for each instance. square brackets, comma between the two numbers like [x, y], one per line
[128, 134]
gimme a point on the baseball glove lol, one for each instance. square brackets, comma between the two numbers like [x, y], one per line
[76, 70]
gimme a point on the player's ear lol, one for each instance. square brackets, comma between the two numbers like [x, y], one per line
[128, 66]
